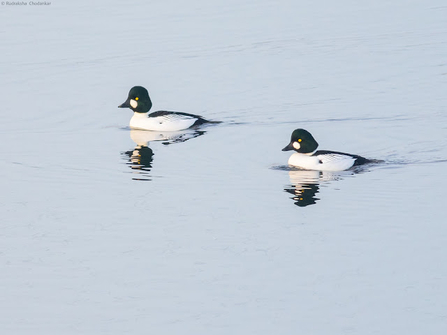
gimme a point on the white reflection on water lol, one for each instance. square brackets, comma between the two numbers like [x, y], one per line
[143, 137]
[140, 159]
[305, 184]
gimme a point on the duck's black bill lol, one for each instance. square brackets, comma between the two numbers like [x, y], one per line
[125, 104]
[289, 147]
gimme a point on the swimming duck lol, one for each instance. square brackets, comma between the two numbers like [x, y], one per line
[308, 158]
[138, 100]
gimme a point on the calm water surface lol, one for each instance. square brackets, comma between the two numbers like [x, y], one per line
[111, 231]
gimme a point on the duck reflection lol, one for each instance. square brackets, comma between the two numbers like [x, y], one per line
[140, 159]
[305, 184]
[143, 137]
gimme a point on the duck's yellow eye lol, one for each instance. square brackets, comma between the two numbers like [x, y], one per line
[136, 98]
[299, 140]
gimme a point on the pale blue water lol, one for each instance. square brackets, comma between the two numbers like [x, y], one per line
[204, 236]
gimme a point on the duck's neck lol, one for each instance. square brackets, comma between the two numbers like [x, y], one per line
[140, 115]
[306, 153]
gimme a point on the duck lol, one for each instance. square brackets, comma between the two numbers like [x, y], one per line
[140, 103]
[306, 156]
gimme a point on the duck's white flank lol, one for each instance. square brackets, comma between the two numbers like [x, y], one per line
[169, 122]
[325, 162]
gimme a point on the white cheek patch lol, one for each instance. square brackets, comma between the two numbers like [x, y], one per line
[296, 145]
[133, 103]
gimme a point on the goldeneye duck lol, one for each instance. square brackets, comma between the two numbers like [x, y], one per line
[307, 158]
[139, 101]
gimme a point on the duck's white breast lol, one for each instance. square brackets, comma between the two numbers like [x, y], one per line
[304, 161]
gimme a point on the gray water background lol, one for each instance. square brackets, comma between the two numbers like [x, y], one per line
[206, 240]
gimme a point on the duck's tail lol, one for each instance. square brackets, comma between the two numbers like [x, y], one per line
[201, 121]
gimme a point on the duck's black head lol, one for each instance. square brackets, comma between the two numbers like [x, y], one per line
[302, 141]
[138, 100]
